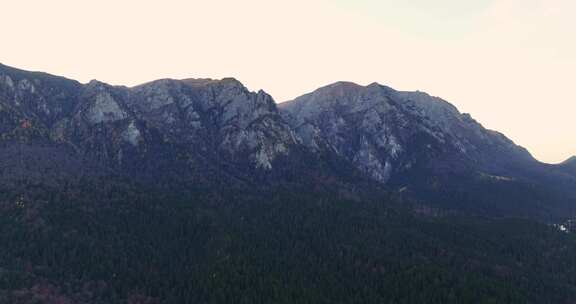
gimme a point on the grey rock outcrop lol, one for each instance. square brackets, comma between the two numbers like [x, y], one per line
[385, 132]
[199, 120]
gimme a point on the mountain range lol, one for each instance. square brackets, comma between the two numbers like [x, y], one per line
[206, 132]
[201, 191]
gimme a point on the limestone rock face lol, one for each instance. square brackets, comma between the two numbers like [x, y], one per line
[211, 134]
[382, 132]
[103, 107]
[385, 132]
[215, 115]
[209, 126]
[201, 121]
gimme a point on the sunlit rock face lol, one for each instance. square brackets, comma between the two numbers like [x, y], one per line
[385, 132]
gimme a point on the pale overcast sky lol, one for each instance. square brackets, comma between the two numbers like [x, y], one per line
[510, 63]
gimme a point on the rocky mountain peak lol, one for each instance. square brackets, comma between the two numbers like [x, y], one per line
[95, 83]
[340, 87]
[217, 131]
[385, 132]
[207, 119]
[198, 82]
[222, 114]
[382, 132]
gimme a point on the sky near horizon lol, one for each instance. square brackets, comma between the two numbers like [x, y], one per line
[510, 63]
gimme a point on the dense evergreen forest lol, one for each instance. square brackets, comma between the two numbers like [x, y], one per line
[133, 245]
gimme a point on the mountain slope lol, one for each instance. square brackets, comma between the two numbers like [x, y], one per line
[416, 142]
[187, 129]
[342, 138]
[200, 191]
[385, 132]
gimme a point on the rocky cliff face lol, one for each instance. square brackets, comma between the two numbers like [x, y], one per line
[202, 121]
[215, 115]
[386, 132]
